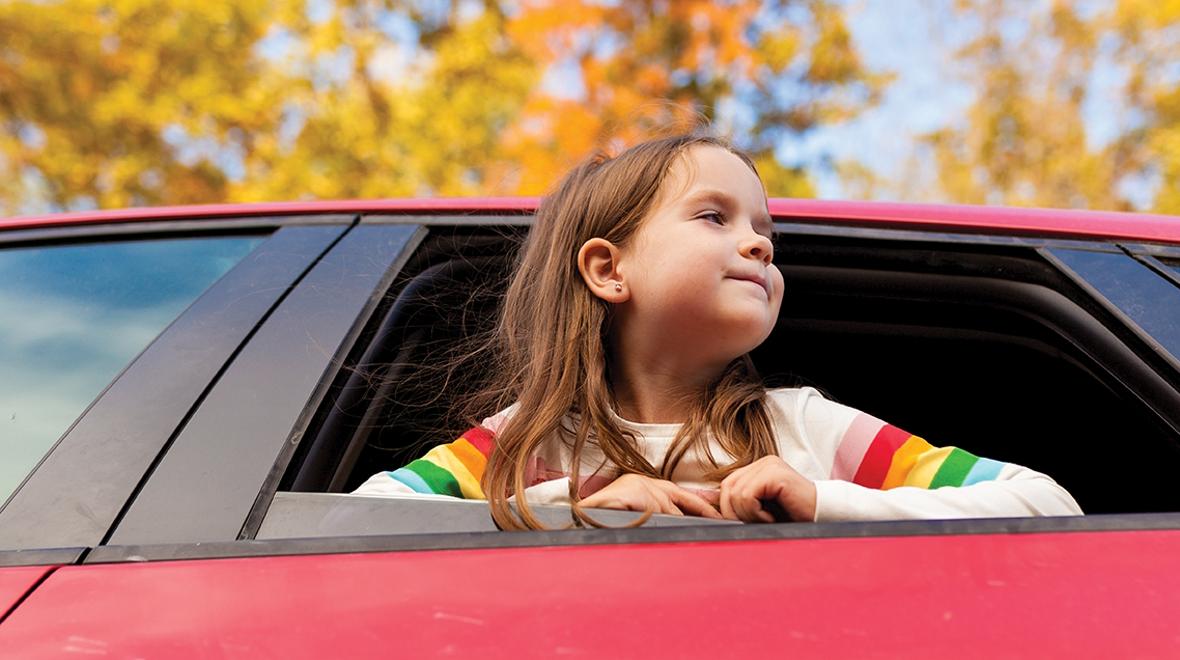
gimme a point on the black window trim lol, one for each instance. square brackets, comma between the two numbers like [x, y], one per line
[173, 227]
[1152, 249]
[331, 305]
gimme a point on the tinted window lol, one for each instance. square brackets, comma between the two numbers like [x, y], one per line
[71, 317]
[1139, 292]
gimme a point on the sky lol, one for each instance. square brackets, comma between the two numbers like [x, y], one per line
[911, 38]
[897, 36]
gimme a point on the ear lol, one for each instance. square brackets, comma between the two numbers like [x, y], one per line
[598, 261]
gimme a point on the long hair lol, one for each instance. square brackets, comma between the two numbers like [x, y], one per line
[551, 345]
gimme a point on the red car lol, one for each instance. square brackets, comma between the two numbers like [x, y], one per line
[190, 393]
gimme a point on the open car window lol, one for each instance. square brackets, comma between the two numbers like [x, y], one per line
[989, 345]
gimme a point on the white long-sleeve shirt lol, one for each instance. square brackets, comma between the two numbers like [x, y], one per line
[863, 468]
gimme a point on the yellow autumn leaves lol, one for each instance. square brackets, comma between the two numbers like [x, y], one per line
[116, 103]
[131, 102]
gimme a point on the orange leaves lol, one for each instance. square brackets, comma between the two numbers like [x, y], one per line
[645, 67]
[174, 101]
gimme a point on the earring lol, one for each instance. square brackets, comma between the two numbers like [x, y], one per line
[618, 287]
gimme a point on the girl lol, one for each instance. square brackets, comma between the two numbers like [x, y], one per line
[623, 347]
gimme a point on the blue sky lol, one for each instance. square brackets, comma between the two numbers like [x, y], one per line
[896, 36]
[913, 39]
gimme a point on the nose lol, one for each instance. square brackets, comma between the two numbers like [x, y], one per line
[757, 246]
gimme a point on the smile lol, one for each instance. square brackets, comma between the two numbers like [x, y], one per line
[754, 279]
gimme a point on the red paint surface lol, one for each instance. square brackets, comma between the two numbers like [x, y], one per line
[16, 581]
[1002, 220]
[1081, 595]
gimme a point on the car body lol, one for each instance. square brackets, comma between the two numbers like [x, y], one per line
[195, 504]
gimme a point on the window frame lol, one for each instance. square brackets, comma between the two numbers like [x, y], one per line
[201, 545]
[265, 397]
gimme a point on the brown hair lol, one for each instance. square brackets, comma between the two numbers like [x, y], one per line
[551, 344]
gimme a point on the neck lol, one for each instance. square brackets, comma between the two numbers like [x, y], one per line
[657, 393]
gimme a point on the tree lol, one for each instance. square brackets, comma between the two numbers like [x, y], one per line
[1028, 138]
[1149, 45]
[113, 103]
[96, 99]
[767, 71]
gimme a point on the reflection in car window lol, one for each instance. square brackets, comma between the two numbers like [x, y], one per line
[71, 317]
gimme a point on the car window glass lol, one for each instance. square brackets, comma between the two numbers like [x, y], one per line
[72, 316]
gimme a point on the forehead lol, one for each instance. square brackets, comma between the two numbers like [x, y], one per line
[709, 167]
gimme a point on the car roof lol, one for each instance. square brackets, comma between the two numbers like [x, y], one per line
[938, 217]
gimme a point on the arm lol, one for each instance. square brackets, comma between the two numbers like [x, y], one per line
[452, 470]
[455, 470]
[870, 470]
[945, 483]
[880, 472]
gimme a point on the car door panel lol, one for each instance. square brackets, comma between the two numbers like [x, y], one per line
[16, 582]
[984, 595]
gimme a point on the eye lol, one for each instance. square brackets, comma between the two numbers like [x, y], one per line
[714, 217]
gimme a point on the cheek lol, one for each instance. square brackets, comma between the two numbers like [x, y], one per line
[778, 285]
[668, 275]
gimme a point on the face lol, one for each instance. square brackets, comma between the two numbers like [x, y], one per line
[699, 270]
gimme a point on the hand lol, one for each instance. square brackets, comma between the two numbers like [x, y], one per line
[753, 493]
[635, 492]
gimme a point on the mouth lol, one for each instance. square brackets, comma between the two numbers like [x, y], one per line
[756, 279]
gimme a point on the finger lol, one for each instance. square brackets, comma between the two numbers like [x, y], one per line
[668, 505]
[692, 504]
[591, 501]
[603, 499]
[741, 507]
[726, 502]
[732, 492]
[734, 476]
[657, 500]
[746, 505]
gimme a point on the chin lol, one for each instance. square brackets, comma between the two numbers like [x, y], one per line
[748, 338]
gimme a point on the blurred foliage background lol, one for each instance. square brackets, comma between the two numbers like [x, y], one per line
[114, 103]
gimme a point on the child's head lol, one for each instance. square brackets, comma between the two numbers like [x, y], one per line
[663, 248]
[670, 239]
[694, 280]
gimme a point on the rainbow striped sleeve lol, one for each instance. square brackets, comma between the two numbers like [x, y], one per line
[453, 469]
[879, 455]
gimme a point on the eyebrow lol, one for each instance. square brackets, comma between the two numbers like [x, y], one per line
[725, 200]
